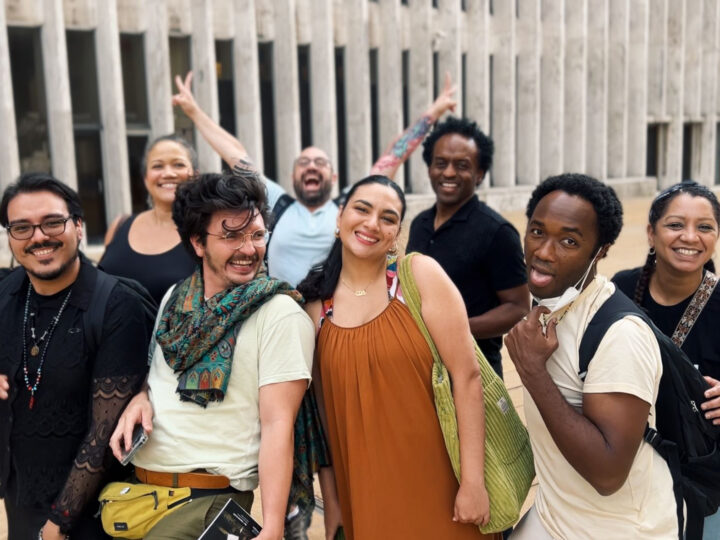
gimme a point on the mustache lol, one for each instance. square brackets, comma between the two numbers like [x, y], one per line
[41, 245]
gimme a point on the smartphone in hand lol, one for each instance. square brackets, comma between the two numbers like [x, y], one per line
[139, 437]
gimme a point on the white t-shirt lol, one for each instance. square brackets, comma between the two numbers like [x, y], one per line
[301, 238]
[275, 344]
[626, 361]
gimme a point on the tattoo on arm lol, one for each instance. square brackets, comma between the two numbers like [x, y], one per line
[244, 168]
[405, 144]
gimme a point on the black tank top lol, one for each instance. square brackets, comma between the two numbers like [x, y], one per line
[155, 272]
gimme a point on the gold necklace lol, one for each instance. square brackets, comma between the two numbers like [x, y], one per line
[357, 292]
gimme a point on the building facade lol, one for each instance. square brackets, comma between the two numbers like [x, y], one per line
[624, 90]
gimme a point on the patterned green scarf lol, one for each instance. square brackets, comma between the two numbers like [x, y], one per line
[198, 337]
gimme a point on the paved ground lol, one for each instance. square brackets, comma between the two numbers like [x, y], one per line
[629, 251]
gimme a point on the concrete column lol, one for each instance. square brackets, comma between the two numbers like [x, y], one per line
[693, 58]
[552, 84]
[9, 154]
[421, 81]
[575, 119]
[57, 81]
[204, 77]
[503, 92]
[322, 79]
[287, 102]
[657, 43]
[675, 101]
[390, 78]
[528, 92]
[357, 88]
[619, 34]
[247, 83]
[113, 137]
[477, 86]
[449, 44]
[597, 89]
[637, 102]
[157, 69]
[710, 56]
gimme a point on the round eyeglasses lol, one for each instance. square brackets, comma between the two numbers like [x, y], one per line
[237, 239]
[49, 227]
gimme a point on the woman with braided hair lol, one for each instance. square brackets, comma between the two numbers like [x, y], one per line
[677, 285]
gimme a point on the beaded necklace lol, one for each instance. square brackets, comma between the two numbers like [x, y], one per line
[32, 388]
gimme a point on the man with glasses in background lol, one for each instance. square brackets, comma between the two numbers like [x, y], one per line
[229, 370]
[60, 393]
[303, 227]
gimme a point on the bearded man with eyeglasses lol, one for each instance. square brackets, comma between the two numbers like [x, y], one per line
[229, 370]
[60, 393]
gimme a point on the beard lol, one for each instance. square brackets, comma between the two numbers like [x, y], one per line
[314, 198]
[50, 275]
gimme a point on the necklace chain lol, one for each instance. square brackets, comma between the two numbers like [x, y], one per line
[53, 324]
[357, 292]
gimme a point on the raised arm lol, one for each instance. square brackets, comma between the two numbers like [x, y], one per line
[230, 149]
[405, 144]
[444, 315]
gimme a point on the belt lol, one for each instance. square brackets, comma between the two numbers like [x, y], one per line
[196, 480]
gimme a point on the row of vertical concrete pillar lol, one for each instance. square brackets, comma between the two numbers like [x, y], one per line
[561, 84]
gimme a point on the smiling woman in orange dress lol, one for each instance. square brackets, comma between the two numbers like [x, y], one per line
[373, 375]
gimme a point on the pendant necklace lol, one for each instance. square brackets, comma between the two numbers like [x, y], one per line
[357, 292]
[35, 349]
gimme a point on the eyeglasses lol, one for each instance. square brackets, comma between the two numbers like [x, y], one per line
[49, 227]
[320, 162]
[236, 239]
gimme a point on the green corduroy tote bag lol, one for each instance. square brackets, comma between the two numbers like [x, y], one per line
[509, 468]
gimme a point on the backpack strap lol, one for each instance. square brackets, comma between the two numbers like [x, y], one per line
[94, 317]
[281, 205]
[616, 307]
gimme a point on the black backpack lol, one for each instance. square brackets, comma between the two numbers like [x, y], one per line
[684, 437]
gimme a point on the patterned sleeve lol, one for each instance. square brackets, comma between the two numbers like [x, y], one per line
[119, 369]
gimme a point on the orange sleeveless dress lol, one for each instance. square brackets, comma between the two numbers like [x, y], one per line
[393, 473]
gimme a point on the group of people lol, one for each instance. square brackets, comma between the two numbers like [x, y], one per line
[260, 293]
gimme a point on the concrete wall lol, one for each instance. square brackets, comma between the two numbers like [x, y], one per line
[561, 85]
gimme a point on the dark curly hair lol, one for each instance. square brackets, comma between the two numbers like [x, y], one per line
[34, 182]
[602, 197]
[657, 210]
[198, 199]
[466, 128]
[321, 281]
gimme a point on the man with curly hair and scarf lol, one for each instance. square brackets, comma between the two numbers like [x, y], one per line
[229, 368]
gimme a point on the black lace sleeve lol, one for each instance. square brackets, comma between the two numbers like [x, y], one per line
[119, 369]
[109, 397]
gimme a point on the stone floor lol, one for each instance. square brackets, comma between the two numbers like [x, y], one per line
[629, 251]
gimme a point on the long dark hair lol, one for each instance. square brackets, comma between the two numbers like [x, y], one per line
[321, 281]
[657, 210]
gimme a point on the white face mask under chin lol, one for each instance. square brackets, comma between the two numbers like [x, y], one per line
[556, 303]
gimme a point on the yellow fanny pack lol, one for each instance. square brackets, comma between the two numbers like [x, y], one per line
[131, 510]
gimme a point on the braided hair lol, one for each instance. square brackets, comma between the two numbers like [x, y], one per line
[657, 210]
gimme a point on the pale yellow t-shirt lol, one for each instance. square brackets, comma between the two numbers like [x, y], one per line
[627, 361]
[275, 344]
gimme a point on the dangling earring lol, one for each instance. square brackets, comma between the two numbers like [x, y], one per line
[652, 251]
[337, 232]
[393, 250]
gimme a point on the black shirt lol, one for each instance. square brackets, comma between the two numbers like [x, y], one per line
[54, 453]
[480, 251]
[157, 272]
[702, 344]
